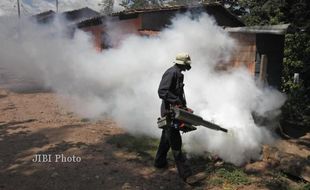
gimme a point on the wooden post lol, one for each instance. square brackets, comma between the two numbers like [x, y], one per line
[56, 6]
[18, 8]
[263, 68]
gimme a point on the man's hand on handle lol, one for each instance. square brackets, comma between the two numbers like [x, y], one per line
[185, 108]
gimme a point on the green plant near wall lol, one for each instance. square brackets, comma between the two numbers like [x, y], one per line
[296, 60]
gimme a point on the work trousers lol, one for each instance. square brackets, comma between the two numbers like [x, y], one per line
[171, 138]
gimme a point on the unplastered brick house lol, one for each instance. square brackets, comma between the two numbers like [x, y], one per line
[260, 48]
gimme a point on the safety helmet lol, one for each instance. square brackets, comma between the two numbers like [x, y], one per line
[182, 59]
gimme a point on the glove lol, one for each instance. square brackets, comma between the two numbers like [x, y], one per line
[189, 110]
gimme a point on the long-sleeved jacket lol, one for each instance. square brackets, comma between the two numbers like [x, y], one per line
[171, 89]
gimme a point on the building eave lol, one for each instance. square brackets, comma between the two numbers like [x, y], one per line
[268, 29]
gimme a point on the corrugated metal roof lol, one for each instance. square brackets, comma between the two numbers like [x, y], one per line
[92, 21]
[270, 29]
[80, 15]
[44, 16]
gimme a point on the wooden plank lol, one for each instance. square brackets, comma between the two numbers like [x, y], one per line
[263, 69]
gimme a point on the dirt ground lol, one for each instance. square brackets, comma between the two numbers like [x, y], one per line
[37, 123]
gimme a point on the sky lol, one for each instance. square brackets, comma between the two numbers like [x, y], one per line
[30, 7]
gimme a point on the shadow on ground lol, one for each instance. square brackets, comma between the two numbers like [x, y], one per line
[116, 161]
[103, 165]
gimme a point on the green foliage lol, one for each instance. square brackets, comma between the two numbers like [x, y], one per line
[277, 181]
[297, 109]
[267, 12]
[216, 181]
[263, 12]
[297, 13]
[85, 120]
[305, 187]
[141, 4]
[228, 177]
[145, 146]
[233, 176]
[296, 56]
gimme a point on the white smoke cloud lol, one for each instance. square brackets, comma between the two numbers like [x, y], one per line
[66, 5]
[31, 7]
[117, 7]
[229, 100]
[122, 82]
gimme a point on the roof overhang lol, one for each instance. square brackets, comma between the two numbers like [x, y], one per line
[270, 29]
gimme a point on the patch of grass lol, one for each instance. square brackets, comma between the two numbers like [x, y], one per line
[277, 181]
[85, 120]
[146, 147]
[227, 177]
[305, 187]
[300, 186]
[216, 181]
[234, 177]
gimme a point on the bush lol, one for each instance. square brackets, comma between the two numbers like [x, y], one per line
[296, 60]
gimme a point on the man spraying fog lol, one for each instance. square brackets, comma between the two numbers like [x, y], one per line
[172, 94]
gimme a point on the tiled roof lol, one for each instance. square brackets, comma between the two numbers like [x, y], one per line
[44, 16]
[92, 22]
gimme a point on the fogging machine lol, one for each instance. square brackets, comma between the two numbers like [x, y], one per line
[185, 120]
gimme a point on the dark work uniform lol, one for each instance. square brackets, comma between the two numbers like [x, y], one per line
[171, 92]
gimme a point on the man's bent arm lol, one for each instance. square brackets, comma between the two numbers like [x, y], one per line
[164, 89]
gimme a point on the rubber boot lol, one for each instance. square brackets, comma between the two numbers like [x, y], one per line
[183, 167]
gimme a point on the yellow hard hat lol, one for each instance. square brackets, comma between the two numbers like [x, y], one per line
[182, 59]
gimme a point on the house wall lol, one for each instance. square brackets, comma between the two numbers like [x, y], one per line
[96, 32]
[120, 29]
[250, 46]
[250, 49]
[156, 20]
[245, 53]
[129, 26]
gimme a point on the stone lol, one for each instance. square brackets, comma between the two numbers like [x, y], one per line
[196, 178]
[126, 186]
[54, 174]
[256, 167]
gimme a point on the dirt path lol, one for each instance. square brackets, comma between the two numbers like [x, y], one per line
[36, 123]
